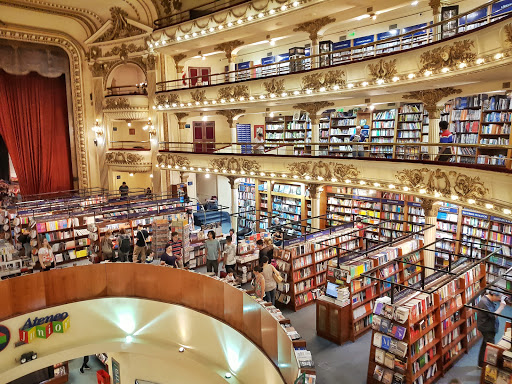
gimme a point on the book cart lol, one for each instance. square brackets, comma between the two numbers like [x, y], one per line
[424, 328]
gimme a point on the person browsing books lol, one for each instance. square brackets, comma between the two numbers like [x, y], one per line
[268, 271]
[212, 253]
[259, 282]
[124, 189]
[140, 244]
[168, 258]
[177, 248]
[445, 153]
[229, 255]
[487, 323]
[358, 137]
[259, 146]
[45, 254]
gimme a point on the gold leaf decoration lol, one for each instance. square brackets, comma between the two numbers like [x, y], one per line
[230, 114]
[123, 158]
[235, 91]
[430, 97]
[117, 103]
[198, 95]
[384, 70]
[508, 33]
[166, 160]
[235, 164]
[171, 98]
[274, 86]
[313, 27]
[323, 170]
[448, 56]
[315, 81]
[228, 47]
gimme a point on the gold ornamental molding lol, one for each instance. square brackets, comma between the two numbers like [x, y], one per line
[320, 170]
[171, 98]
[120, 28]
[317, 80]
[446, 183]
[508, 33]
[230, 114]
[172, 161]
[180, 116]
[430, 98]
[121, 50]
[236, 92]
[125, 158]
[384, 70]
[235, 165]
[198, 95]
[430, 206]
[274, 86]
[313, 27]
[448, 56]
[117, 103]
[77, 93]
[313, 108]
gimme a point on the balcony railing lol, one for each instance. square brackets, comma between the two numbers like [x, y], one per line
[495, 157]
[127, 90]
[133, 145]
[195, 13]
[486, 14]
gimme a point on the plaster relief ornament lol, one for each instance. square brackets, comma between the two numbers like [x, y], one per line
[448, 56]
[120, 28]
[384, 70]
[508, 33]
[172, 161]
[235, 164]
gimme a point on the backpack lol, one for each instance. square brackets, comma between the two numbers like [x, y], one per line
[125, 245]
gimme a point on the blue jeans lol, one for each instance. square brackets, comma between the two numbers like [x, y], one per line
[270, 296]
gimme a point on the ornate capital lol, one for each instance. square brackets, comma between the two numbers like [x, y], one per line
[228, 47]
[313, 108]
[384, 70]
[436, 6]
[312, 27]
[151, 62]
[180, 116]
[314, 190]
[447, 183]
[508, 33]
[177, 58]
[231, 180]
[430, 206]
[448, 56]
[97, 70]
[431, 97]
[230, 114]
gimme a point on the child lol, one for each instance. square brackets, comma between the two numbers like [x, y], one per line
[229, 255]
[259, 282]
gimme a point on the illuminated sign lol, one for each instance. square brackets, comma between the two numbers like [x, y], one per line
[44, 327]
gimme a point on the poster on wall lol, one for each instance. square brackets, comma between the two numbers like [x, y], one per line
[116, 372]
[243, 132]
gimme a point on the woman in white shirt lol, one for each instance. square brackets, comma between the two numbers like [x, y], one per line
[229, 255]
[268, 272]
[45, 254]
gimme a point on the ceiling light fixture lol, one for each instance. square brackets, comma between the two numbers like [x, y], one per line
[406, 189]
[414, 3]
[471, 201]
[411, 75]
[380, 81]
[295, 3]
[272, 11]
[364, 83]
[498, 56]
[427, 73]
[445, 70]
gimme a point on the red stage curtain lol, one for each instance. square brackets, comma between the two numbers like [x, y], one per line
[34, 126]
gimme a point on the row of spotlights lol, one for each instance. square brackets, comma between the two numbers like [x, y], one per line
[335, 87]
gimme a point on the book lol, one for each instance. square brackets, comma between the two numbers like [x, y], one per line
[491, 355]
[503, 377]
[377, 339]
[389, 360]
[491, 374]
[386, 342]
[378, 373]
[379, 356]
[387, 377]
[385, 325]
[376, 322]
[398, 378]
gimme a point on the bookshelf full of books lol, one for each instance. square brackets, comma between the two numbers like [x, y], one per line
[289, 207]
[247, 204]
[383, 131]
[299, 131]
[262, 205]
[422, 334]
[409, 130]
[275, 128]
[498, 360]
[323, 134]
[342, 127]
[446, 233]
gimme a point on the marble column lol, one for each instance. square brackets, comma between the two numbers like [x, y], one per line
[101, 140]
[314, 193]
[430, 206]
[234, 200]
[434, 117]
[159, 123]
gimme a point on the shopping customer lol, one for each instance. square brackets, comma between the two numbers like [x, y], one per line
[140, 244]
[268, 272]
[107, 246]
[229, 255]
[358, 137]
[259, 282]
[84, 364]
[24, 240]
[177, 248]
[212, 253]
[124, 245]
[45, 254]
[487, 323]
[445, 153]
[278, 237]
[262, 252]
[124, 189]
[269, 248]
[259, 146]
[168, 258]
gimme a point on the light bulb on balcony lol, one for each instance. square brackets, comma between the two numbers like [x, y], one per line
[242, 98]
[174, 105]
[334, 180]
[445, 70]
[251, 98]
[272, 11]
[187, 36]
[214, 101]
[406, 189]
[320, 178]
[203, 32]
[194, 34]
[239, 21]
[336, 87]
[489, 206]
[423, 191]
[156, 43]
[272, 95]
[230, 24]
[221, 27]
[250, 18]
[271, 114]
[307, 177]
[232, 100]
[480, 61]
[362, 182]
[261, 15]
[284, 94]
[462, 65]
[427, 73]
[498, 56]
[150, 45]
[471, 201]
[211, 29]
[414, 3]
[507, 211]
[322, 89]
[283, 7]
[262, 173]
[454, 197]
[391, 186]
[348, 181]
[205, 102]
[129, 124]
[350, 85]
[182, 105]
[395, 79]
[295, 176]
[376, 184]
[437, 194]
[308, 91]
[364, 83]
[166, 105]
[295, 3]
[222, 101]
[411, 76]
[262, 97]
[189, 104]
[296, 93]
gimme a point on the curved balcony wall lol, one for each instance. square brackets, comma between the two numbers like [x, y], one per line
[220, 326]
[467, 58]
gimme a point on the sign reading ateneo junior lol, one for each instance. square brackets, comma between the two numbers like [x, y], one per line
[44, 327]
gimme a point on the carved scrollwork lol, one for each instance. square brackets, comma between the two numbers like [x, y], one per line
[274, 86]
[228, 47]
[120, 28]
[235, 91]
[198, 95]
[313, 27]
[315, 81]
[117, 103]
[323, 171]
[123, 50]
[430, 97]
[172, 161]
[171, 98]
[508, 33]
[235, 164]
[384, 70]
[448, 55]
[124, 158]
[443, 182]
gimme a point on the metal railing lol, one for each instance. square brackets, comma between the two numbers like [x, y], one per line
[195, 13]
[395, 44]
[494, 156]
[128, 144]
[126, 90]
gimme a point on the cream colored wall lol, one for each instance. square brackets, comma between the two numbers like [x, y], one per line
[224, 192]
[158, 330]
[122, 133]
[138, 180]
[215, 62]
[126, 74]
[206, 187]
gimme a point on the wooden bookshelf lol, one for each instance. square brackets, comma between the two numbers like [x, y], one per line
[383, 131]
[342, 127]
[409, 130]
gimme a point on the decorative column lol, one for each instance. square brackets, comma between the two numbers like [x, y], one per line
[430, 206]
[98, 74]
[436, 12]
[228, 47]
[314, 193]
[313, 27]
[230, 114]
[179, 68]
[234, 199]
[312, 109]
[180, 135]
[430, 99]
[151, 79]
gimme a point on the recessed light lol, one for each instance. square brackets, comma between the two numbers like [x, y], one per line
[181, 349]
[364, 83]
[411, 75]
[489, 206]
[395, 79]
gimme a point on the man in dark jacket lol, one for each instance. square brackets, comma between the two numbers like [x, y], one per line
[487, 323]
[141, 241]
[123, 189]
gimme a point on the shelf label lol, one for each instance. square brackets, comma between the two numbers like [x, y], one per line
[393, 202]
[374, 199]
[342, 227]
[413, 27]
[294, 241]
[411, 204]
[475, 214]
[364, 40]
[341, 45]
[244, 65]
[317, 234]
[500, 220]
[448, 210]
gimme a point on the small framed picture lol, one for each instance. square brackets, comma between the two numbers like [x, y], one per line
[131, 131]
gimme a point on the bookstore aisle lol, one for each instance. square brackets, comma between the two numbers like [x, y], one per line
[89, 376]
[348, 364]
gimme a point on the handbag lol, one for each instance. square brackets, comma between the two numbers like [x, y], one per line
[276, 275]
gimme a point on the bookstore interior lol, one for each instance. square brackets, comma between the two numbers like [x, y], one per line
[328, 277]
